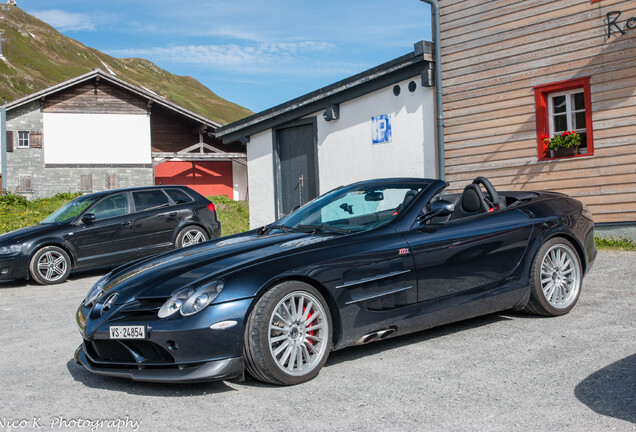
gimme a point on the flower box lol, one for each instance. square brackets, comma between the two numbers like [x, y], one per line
[564, 151]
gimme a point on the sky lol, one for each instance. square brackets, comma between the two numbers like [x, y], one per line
[257, 54]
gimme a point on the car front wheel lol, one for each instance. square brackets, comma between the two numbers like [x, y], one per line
[190, 235]
[555, 279]
[50, 265]
[288, 334]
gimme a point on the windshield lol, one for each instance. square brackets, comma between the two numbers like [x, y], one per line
[70, 211]
[354, 208]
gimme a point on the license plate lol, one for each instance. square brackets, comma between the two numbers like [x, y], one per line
[128, 332]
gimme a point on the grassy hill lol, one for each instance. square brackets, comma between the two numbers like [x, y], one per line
[37, 56]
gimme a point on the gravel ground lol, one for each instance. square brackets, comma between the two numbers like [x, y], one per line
[500, 372]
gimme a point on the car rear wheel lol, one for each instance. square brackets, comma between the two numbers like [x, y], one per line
[50, 265]
[190, 235]
[555, 279]
[288, 334]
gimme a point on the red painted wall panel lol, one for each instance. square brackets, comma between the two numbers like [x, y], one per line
[207, 178]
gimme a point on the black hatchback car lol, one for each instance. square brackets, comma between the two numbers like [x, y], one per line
[107, 228]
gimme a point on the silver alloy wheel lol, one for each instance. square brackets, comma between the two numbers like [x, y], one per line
[560, 276]
[191, 237]
[298, 333]
[52, 266]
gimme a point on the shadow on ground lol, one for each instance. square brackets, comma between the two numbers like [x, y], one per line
[361, 351]
[611, 391]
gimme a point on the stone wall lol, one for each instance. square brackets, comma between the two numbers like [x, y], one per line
[48, 181]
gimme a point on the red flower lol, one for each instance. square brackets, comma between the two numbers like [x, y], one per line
[544, 137]
[566, 133]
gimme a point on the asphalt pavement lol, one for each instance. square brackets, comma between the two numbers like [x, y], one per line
[501, 372]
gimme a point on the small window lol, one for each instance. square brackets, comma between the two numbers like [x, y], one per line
[23, 139]
[564, 109]
[112, 206]
[178, 196]
[150, 199]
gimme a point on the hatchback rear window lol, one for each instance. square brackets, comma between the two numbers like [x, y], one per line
[179, 196]
[149, 199]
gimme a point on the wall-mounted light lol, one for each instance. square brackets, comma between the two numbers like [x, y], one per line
[427, 76]
[332, 112]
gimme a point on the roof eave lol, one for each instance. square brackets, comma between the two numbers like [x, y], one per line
[341, 91]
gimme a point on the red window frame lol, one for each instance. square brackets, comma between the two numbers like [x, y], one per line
[541, 93]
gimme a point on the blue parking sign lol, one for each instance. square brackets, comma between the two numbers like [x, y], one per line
[381, 129]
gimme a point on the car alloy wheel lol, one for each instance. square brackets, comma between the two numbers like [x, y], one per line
[555, 279]
[297, 331]
[560, 276]
[50, 265]
[190, 235]
[288, 334]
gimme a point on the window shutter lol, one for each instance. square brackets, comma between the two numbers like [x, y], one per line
[9, 141]
[112, 181]
[86, 183]
[25, 183]
[36, 139]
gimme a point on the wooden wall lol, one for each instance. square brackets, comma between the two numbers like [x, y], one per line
[89, 98]
[493, 54]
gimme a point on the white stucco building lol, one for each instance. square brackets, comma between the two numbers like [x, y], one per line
[379, 123]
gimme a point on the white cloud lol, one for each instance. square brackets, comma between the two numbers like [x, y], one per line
[65, 21]
[232, 55]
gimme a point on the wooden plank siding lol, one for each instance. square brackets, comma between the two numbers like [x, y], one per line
[493, 55]
[89, 98]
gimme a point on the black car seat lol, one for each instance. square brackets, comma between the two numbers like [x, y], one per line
[471, 202]
[408, 197]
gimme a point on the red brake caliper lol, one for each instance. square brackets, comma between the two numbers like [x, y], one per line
[310, 333]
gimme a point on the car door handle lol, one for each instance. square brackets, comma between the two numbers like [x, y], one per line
[126, 224]
[173, 214]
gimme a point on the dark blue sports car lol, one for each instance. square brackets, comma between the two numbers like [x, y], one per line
[364, 262]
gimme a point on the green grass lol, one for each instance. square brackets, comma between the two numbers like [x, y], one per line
[234, 215]
[16, 212]
[615, 244]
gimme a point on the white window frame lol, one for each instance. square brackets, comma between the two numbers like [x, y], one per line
[570, 112]
[21, 140]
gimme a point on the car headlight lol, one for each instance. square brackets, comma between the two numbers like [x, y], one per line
[188, 301]
[6, 250]
[96, 291]
[174, 303]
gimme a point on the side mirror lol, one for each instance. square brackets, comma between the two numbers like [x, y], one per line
[437, 208]
[88, 218]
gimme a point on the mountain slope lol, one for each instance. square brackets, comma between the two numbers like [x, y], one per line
[37, 56]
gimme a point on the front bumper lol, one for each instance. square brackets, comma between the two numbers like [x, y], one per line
[13, 267]
[176, 349]
[207, 371]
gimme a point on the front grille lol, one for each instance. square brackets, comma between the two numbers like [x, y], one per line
[142, 309]
[133, 352]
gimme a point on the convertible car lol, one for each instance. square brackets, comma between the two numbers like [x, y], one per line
[362, 263]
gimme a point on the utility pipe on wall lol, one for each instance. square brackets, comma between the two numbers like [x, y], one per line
[3, 146]
[441, 165]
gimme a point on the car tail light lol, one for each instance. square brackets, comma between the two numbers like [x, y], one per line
[211, 207]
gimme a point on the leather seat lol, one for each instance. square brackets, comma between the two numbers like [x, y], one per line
[471, 202]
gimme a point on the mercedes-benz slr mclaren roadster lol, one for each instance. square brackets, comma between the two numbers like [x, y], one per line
[361, 263]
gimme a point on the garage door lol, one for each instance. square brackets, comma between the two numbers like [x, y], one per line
[207, 178]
